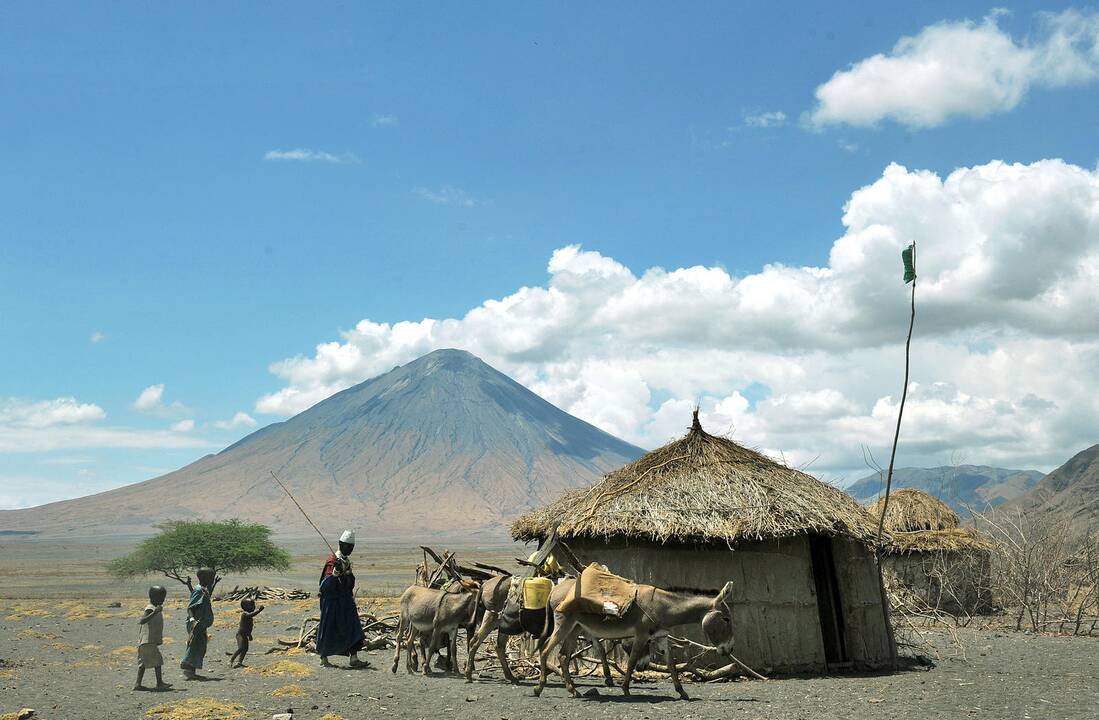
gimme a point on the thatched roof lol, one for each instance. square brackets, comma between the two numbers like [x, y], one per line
[918, 522]
[701, 488]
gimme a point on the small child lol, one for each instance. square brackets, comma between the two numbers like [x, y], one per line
[150, 637]
[244, 632]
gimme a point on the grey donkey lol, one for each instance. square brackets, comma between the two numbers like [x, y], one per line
[428, 615]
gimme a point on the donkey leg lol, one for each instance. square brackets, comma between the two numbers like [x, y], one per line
[502, 655]
[640, 645]
[568, 647]
[397, 652]
[487, 626]
[669, 653]
[601, 650]
[566, 626]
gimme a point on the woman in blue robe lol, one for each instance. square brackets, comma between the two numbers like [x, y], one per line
[200, 616]
[340, 631]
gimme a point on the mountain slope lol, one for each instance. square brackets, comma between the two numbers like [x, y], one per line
[963, 488]
[444, 444]
[1070, 492]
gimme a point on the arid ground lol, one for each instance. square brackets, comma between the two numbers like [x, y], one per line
[74, 657]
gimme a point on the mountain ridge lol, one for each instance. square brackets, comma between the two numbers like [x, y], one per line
[1070, 492]
[965, 488]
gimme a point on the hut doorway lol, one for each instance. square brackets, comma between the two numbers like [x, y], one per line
[829, 604]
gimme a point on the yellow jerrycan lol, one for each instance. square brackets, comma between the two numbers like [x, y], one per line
[536, 593]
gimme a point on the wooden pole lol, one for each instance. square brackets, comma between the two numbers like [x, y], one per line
[879, 548]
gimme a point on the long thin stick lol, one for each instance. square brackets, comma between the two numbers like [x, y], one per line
[900, 411]
[285, 490]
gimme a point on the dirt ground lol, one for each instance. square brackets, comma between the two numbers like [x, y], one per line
[76, 659]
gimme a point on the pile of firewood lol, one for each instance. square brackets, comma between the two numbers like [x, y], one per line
[264, 593]
[381, 633]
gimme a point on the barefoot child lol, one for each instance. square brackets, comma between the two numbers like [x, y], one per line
[150, 637]
[244, 632]
[200, 616]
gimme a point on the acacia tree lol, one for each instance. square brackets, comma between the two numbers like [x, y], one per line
[183, 546]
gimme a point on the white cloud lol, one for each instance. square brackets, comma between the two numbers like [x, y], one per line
[1006, 349]
[47, 413]
[774, 118]
[151, 398]
[384, 120]
[183, 426]
[960, 69]
[449, 195]
[239, 420]
[151, 402]
[97, 337]
[29, 426]
[305, 155]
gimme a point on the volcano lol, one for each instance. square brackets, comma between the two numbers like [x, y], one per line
[445, 445]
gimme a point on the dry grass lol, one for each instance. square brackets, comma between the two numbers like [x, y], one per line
[282, 668]
[702, 488]
[24, 610]
[918, 522]
[331, 716]
[17, 715]
[58, 646]
[198, 709]
[37, 634]
[288, 691]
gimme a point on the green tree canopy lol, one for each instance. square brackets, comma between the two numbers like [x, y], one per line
[183, 546]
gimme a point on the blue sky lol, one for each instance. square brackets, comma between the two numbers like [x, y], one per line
[209, 190]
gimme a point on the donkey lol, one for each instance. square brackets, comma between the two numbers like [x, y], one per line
[650, 616]
[434, 613]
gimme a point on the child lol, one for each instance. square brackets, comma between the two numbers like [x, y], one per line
[244, 632]
[200, 616]
[150, 637]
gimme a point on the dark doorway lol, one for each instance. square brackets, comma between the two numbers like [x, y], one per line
[828, 600]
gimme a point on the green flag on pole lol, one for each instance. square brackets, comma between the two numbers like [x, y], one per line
[908, 255]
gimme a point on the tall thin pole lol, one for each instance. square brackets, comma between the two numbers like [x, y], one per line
[900, 411]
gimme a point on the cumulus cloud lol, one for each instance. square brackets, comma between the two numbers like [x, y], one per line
[239, 420]
[960, 69]
[28, 426]
[305, 155]
[1007, 339]
[449, 195]
[384, 120]
[97, 337]
[47, 413]
[183, 426]
[151, 401]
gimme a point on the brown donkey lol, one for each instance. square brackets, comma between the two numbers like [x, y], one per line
[652, 614]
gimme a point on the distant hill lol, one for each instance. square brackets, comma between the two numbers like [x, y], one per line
[962, 487]
[442, 445]
[1070, 492]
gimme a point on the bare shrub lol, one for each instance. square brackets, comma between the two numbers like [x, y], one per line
[1045, 577]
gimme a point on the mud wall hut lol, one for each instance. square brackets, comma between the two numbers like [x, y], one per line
[704, 510]
[944, 564]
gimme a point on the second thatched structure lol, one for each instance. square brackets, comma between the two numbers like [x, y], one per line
[704, 510]
[944, 563]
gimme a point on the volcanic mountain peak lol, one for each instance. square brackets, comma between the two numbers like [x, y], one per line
[445, 443]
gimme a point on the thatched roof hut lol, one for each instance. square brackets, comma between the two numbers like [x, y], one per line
[701, 487]
[932, 554]
[918, 522]
[703, 510]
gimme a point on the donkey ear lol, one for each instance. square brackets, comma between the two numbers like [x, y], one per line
[726, 593]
